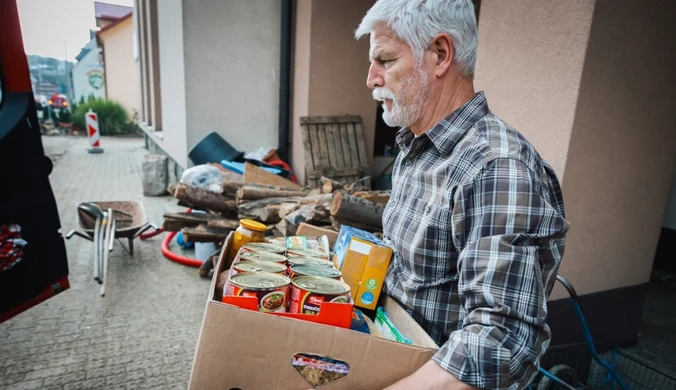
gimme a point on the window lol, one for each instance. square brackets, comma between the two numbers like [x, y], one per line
[146, 55]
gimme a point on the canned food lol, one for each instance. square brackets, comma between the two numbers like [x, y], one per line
[307, 253]
[291, 261]
[308, 292]
[262, 256]
[271, 290]
[258, 266]
[314, 270]
[263, 247]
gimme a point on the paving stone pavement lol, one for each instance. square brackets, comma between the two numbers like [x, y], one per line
[143, 333]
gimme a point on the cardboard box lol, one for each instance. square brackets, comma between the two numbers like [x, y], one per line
[250, 350]
[363, 259]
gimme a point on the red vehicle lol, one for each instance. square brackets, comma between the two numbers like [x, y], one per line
[33, 263]
[58, 100]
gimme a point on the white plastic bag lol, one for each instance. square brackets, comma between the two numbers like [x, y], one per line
[207, 177]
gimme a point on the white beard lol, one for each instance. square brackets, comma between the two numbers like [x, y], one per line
[407, 109]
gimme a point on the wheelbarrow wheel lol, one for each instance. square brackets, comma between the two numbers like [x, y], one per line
[564, 373]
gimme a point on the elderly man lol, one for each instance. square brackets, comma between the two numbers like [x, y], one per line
[476, 217]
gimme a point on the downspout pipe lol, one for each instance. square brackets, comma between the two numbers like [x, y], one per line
[285, 79]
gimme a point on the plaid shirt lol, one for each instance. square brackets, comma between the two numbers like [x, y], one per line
[477, 224]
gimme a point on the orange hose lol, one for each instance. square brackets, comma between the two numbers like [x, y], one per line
[167, 252]
[173, 256]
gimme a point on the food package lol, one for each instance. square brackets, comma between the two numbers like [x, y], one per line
[387, 329]
[363, 259]
[11, 246]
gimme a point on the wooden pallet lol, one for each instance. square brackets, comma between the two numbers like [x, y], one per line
[334, 148]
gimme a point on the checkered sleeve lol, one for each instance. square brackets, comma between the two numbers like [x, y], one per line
[503, 226]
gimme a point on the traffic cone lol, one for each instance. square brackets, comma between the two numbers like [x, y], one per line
[93, 131]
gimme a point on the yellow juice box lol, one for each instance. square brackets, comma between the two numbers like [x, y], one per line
[363, 259]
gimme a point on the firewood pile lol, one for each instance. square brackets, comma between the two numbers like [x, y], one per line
[286, 208]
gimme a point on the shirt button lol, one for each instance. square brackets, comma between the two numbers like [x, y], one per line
[408, 163]
[428, 208]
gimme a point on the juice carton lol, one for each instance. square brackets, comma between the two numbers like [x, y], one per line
[363, 259]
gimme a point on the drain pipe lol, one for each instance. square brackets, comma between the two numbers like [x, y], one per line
[286, 37]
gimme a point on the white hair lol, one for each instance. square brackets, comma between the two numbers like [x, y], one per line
[416, 22]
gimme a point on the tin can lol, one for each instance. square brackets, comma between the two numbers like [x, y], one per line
[314, 270]
[308, 292]
[271, 290]
[258, 266]
[307, 253]
[263, 247]
[292, 261]
[262, 256]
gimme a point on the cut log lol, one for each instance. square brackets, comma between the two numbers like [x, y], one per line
[309, 213]
[174, 222]
[268, 214]
[353, 208]
[329, 185]
[222, 223]
[306, 229]
[315, 191]
[245, 208]
[286, 209]
[254, 174]
[231, 187]
[203, 233]
[204, 200]
[374, 196]
[249, 192]
[336, 223]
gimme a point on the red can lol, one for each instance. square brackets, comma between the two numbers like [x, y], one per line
[271, 290]
[308, 293]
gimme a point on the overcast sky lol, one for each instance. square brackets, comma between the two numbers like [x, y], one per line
[46, 24]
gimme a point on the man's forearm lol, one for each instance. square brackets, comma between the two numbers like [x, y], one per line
[430, 377]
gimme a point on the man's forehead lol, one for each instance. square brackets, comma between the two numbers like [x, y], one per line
[383, 38]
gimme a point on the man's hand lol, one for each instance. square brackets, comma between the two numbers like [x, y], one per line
[431, 377]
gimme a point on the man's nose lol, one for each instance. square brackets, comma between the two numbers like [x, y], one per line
[375, 77]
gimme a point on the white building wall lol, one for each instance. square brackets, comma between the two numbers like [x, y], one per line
[88, 75]
[231, 52]
[172, 138]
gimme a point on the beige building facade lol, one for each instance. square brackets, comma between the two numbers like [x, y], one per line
[116, 41]
[589, 82]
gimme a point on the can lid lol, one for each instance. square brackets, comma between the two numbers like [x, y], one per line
[321, 285]
[308, 253]
[309, 260]
[262, 256]
[259, 266]
[253, 225]
[316, 270]
[263, 247]
[260, 280]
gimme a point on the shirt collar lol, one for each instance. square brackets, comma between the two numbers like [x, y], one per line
[445, 134]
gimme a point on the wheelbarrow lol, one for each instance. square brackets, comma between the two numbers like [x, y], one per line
[102, 222]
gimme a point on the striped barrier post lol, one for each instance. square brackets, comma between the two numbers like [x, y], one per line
[93, 131]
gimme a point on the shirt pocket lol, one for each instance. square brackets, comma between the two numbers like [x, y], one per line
[432, 258]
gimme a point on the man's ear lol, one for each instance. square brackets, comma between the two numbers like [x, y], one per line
[442, 47]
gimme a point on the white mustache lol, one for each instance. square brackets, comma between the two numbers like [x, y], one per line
[384, 93]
